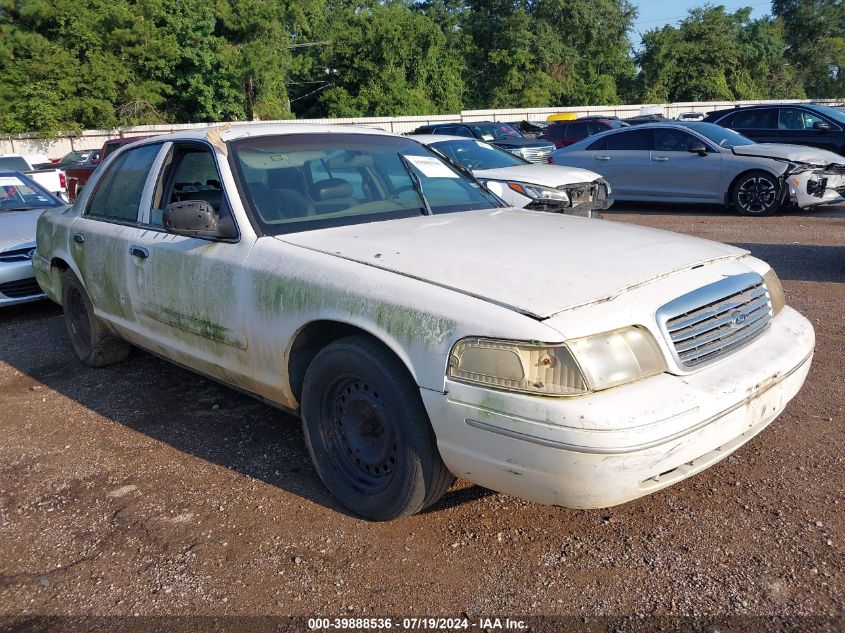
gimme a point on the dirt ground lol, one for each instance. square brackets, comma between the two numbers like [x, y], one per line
[144, 489]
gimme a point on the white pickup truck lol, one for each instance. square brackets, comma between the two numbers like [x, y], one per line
[39, 168]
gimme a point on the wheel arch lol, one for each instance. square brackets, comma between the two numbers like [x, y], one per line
[730, 191]
[315, 335]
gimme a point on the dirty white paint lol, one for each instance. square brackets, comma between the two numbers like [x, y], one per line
[233, 310]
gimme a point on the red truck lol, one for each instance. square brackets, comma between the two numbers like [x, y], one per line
[78, 175]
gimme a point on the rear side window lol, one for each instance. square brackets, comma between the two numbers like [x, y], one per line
[600, 144]
[578, 130]
[763, 119]
[557, 131]
[118, 194]
[632, 140]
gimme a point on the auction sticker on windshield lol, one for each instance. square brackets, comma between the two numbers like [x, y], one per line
[431, 167]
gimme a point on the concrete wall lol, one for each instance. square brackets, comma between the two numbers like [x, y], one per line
[57, 147]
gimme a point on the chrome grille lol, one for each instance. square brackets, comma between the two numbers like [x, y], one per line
[534, 154]
[711, 322]
[18, 254]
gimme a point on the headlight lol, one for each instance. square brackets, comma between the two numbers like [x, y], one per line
[617, 357]
[542, 194]
[603, 361]
[776, 295]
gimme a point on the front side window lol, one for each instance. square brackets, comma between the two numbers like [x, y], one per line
[119, 190]
[301, 182]
[478, 155]
[669, 140]
[190, 173]
[642, 140]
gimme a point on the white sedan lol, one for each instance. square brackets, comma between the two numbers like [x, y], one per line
[421, 329]
[540, 187]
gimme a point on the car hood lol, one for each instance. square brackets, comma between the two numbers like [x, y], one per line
[796, 153]
[18, 227]
[546, 175]
[536, 263]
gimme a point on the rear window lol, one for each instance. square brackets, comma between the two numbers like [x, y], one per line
[14, 163]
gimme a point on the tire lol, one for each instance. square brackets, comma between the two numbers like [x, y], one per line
[757, 193]
[94, 345]
[368, 432]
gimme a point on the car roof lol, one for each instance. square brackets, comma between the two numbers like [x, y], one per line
[427, 139]
[236, 131]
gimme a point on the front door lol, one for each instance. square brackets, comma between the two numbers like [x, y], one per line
[190, 290]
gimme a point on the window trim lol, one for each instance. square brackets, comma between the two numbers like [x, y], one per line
[113, 158]
[157, 172]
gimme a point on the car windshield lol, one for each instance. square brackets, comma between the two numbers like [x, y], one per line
[18, 193]
[478, 155]
[303, 182]
[495, 131]
[722, 136]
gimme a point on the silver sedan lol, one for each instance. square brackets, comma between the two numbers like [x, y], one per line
[22, 201]
[706, 163]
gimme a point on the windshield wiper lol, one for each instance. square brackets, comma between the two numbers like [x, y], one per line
[415, 180]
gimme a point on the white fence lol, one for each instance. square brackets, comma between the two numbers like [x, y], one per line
[54, 148]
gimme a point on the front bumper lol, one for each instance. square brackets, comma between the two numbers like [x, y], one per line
[18, 284]
[616, 445]
[813, 188]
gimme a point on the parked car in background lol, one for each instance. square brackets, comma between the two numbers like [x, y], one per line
[563, 133]
[530, 129]
[641, 119]
[78, 175]
[796, 124]
[75, 157]
[39, 168]
[22, 201]
[703, 162]
[520, 183]
[690, 116]
[499, 134]
[420, 328]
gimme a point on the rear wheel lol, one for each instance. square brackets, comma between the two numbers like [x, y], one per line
[368, 432]
[94, 345]
[757, 193]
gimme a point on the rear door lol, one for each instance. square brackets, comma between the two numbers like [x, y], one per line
[101, 236]
[678, 173]
[624, 159]
[758, 124]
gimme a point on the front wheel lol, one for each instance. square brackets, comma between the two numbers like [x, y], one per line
[757, 193]
[368, 432]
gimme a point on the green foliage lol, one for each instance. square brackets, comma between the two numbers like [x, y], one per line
[715, 55]
[67, 65]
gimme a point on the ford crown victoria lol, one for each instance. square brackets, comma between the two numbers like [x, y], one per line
[420, 329]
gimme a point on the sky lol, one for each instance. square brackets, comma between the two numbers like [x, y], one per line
[656, 13]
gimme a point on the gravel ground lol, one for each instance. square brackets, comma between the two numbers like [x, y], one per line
[144, 489]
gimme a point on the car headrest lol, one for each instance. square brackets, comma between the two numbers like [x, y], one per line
[331, 189]
[284, 178]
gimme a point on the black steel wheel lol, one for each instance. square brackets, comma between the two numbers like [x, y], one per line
[93, 343]
[757, 193]
[368, 432]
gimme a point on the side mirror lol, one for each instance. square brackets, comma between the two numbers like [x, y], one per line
[193, 218]
[698, 149]
[821, 126]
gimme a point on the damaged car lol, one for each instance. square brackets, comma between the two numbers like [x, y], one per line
[705, 163]
[420, 328]
[520, 183]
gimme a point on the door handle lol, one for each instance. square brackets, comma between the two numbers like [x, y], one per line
[661, 159]
[139, 251]
[602, 157]
[79, 238]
